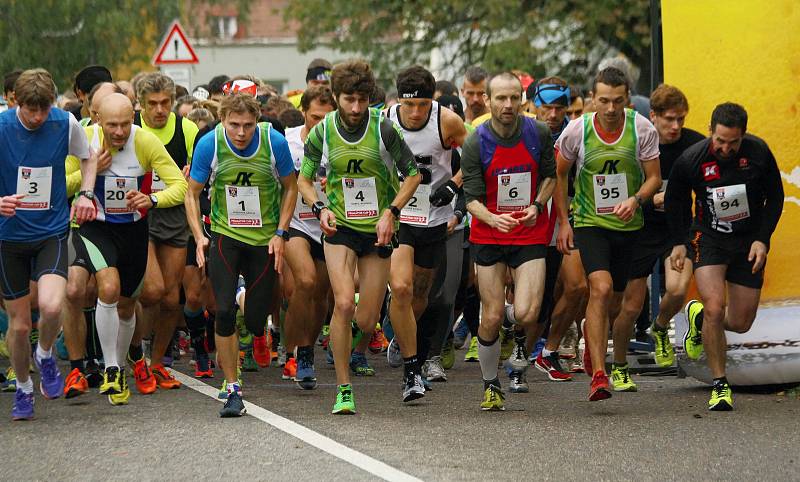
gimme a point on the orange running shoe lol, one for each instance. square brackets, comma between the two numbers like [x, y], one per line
[202, 369]
[75, 384]
[378, 341]
[145, 381]
[261, 351]
[273, 347]
[290, 369]
[599, 389]
[164, 378]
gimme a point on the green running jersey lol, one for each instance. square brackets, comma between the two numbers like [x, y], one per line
[245, 191]
[607, 174]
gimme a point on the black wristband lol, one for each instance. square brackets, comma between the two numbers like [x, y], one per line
[317, 208]
[395, 211]
[539, 207]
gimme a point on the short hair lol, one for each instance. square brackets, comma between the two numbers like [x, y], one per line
[453, 103]
[502, 75]
[475, 74]
[352, 77]
[200, 114]
[91, 76]
[90, 97]
[186, 99]
[415, 78]
[216, 83]
[320, 93]
[35, 88]
[667, 97]
[445, 87]
[9, 80]
[623, 65]
[729, 115]
[154, 82]
[277, 104]
[555, 80]
[377, 97]
[239, 103]
[574, 93]
[291, 118]
[611, 76]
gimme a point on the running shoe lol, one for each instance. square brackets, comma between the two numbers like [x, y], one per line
[234, 405]
[124, 395]
[693, 339]
[393, 355]
[75, 384]
[448, 354]
[460, 334]
[111, 381]
[289, 369]
[518, 360]
[569, 344]
[202, 367]
[10, 385]
[377, 342]
[472, 352]
[261, 351]
[599, 389]
[664, 352]
[721, 398]
[282, 355]
[506, 343]
[223, 391]
[323, 335]
[432, 370]
[60, 348]
[4, 353]
[23, 406]
[93, 374]
[164, 378]
[493, 399]
[621, 379]
[329, 354]
[249, 362]
[306, 377]
[413, 388]
[184, 343]
[551, 366]
[143, 378]
[518, 383]
[51, 382]
[359, 365]
[345, 404]
[168, 360]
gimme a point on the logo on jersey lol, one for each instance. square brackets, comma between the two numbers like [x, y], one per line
[26, 173]
[120, 183]
[232, 191]
[710, 171]
[505, 180]
[743, 163]
[601, 180]
[349, 183]
[721, 194]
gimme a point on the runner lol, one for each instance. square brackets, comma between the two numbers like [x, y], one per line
[253, 192]
[34, 221]
[473, 90]
[509, 174]
[364, 152]
[739, 200]
[616, 153]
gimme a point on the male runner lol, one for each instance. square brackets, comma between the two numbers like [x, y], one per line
[473, 90]
[35, 139]
[364, 151]
[509, 174]
[738, 202]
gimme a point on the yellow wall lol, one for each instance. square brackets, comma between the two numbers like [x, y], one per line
[748, 52]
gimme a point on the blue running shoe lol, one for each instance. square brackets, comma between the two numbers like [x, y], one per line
[61, 347]
[23, 406]
[329, 354]
[234, 406]
[52, 383]
[460, 334]
[306, 377]
[359, 365]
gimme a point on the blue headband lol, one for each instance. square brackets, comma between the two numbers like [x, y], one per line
[551, 94]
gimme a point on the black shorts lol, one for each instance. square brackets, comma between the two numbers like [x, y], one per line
[707, 250]
[606, 250]
[362, 244]
[429, 243]
[317, 253]
[169, 226]
[191, 246]
[114, 245]
[23, 262]
[511, 255]
[648, 250]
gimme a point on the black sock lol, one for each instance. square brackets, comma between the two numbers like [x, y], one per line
[196, 324]
[520, 337]
[411, 365]
[135, 352]
[658, 328]
[305, 351]
[73, 364]
[721, 380]
[494, 382]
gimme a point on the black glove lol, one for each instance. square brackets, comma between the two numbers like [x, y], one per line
[444, 194]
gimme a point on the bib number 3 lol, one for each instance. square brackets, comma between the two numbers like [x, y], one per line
[35, 184]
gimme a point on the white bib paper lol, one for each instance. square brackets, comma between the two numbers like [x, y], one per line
[730, 202]
[513, 191]
[244, 206]
[158, 184]
[35, 183]
[303, 210]
[417, 210]
[114, 191]
[609, 190]
[360, 197]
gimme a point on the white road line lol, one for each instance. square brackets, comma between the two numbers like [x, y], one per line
[353, 457]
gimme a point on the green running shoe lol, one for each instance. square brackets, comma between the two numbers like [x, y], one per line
[721, 398]
[359, 365]
[621, 379]
[10, 385]
[693, 339]
[448, 355]
[345, 404]
[493, 399]
[664, 352]
[472, 352]
[223, 392]
[506, 343]
[249, 362]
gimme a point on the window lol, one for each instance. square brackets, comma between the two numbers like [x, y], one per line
[224, 27]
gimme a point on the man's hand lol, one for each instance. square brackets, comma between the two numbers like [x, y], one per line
[504, 223]
[451, 225]
[529, 216]
[757, 256]
[103, 159]
[327, 221]
[658, 200]
[135, 200]
[276, 247]
[626, 209]
[385, 229]
[9, 204]
[83, 210]
[677, 258]
[200, 252]
[564, 240]
[444, 195]
[186, 169]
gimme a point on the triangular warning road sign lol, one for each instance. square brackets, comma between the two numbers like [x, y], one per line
[175, 48]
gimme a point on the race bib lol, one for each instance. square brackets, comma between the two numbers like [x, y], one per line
[114, 194]
[303, 209]
[417, 210]
[730, 202]
[35, 184]
[360, 197]
[244, 206]
[513, 191]
[158, 184]
[609, 190]
[663, 189]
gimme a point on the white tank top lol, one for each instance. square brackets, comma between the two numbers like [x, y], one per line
[433, 159]
[302, 219]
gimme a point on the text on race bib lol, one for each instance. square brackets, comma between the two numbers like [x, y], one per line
[244, 206]
[730, 202]
[513, 191]
[417, 210]
[158, 184]
[114, 192]
[35, 183]
[609, 190]
[360, 197]
[303, 209]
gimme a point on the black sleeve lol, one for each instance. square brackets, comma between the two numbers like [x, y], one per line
[678, 200]
[547, 161]
[461, 203]
[773, 206]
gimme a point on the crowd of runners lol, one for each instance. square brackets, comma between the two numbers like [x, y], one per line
[241, 227]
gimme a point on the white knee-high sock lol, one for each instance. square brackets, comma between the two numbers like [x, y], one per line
[107, 321]
[488, 357]
[126, 329]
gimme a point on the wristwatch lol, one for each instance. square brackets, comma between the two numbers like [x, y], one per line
[282, 233]
[154, 200]
[317, 208]
[539, 207]
[87, 194]
[639, 199]
[395, 211]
